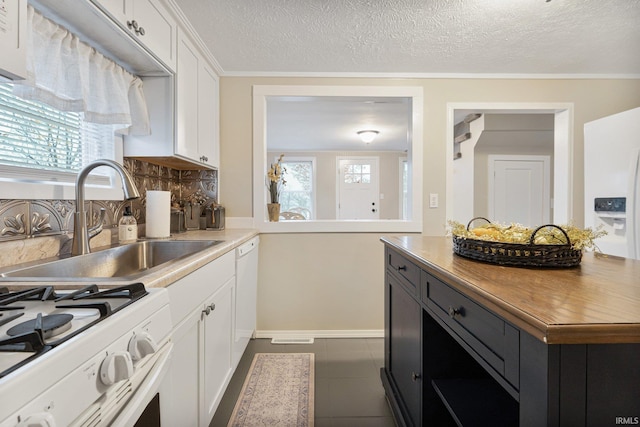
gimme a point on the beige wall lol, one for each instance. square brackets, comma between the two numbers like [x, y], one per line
[344, 271]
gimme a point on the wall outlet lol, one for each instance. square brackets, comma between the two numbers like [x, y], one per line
[433, 200]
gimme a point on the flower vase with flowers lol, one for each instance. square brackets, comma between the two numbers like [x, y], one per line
[275, 182]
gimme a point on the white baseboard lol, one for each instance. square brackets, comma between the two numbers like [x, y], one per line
[356, 333]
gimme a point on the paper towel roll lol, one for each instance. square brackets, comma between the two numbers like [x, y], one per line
[158, 214]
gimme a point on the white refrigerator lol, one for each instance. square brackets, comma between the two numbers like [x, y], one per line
[612, 181]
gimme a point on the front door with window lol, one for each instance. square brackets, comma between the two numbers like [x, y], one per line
[358, 188]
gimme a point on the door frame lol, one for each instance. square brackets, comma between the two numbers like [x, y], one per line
[546, 176]
[401, 211]
[563, 156]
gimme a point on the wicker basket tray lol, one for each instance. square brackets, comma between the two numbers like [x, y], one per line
[517, 254]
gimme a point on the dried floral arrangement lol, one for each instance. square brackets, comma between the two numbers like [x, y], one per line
[275, 179]
[516, 233]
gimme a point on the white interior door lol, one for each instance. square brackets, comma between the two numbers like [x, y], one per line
[519, 189]
[358, 188]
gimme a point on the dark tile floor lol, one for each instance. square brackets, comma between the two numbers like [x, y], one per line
[348, 390]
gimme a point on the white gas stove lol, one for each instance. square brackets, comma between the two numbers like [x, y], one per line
[81, 358]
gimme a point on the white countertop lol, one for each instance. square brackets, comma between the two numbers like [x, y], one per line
[232, 239]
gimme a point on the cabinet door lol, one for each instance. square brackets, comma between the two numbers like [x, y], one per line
[405, 347]
[187, 99]
[159, 30]
[13, 25]
[120, 10]
[184, 378]
[216, 369]
[208, 117]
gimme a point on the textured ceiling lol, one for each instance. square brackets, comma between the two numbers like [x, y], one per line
[420, 36]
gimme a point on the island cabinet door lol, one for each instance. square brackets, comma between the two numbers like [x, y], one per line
[404, 364]
[589, 385]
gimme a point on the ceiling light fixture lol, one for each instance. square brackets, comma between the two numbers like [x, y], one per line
[367, 135]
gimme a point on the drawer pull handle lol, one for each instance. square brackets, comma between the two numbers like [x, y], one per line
[415, 376]
[402, 268]
[455, 312]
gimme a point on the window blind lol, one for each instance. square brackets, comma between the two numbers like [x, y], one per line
[34, 135]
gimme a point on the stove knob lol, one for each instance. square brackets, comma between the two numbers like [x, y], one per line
[142, 344]
[43, 419]
[116, 367]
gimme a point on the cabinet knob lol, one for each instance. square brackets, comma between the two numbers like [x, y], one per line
[133, 25]
[415, 376]
[208, 309]
[402, 268]
[455, 312]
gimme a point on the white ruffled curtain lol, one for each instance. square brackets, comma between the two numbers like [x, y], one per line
[70, 75]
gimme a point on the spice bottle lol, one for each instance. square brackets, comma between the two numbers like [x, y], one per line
[127, 227]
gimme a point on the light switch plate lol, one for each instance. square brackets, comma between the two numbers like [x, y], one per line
[433, 200]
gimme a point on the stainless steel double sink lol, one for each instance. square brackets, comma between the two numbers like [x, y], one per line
[126, 262]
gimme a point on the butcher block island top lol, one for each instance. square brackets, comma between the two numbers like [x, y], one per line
[596, 302]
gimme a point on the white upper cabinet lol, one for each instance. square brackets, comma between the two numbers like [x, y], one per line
[147, 21]
[13, 29]
[208, 115]
[190, 100]
[187, 99]
[197, 105]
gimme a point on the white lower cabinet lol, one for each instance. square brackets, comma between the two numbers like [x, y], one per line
[201, 309]
[182, 402]
[216, 350]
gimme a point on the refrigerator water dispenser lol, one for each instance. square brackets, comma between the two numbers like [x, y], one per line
[611, 213]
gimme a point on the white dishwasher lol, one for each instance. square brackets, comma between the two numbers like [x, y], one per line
[245, 297]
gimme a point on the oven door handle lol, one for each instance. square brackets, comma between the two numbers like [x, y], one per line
[147, 390]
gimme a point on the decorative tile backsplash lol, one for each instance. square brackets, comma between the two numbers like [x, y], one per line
[21, 219]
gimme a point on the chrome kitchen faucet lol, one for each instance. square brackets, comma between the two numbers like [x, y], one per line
[81, 233]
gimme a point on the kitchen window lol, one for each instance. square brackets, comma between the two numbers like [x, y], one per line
[42, 147]
[36, 136]
[64, 115]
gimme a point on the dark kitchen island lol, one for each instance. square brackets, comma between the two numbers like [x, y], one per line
[475, 344]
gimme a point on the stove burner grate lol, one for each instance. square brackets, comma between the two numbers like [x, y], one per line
[32, 338]
[51, 325]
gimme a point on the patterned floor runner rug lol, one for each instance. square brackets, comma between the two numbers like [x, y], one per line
[278, 391]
